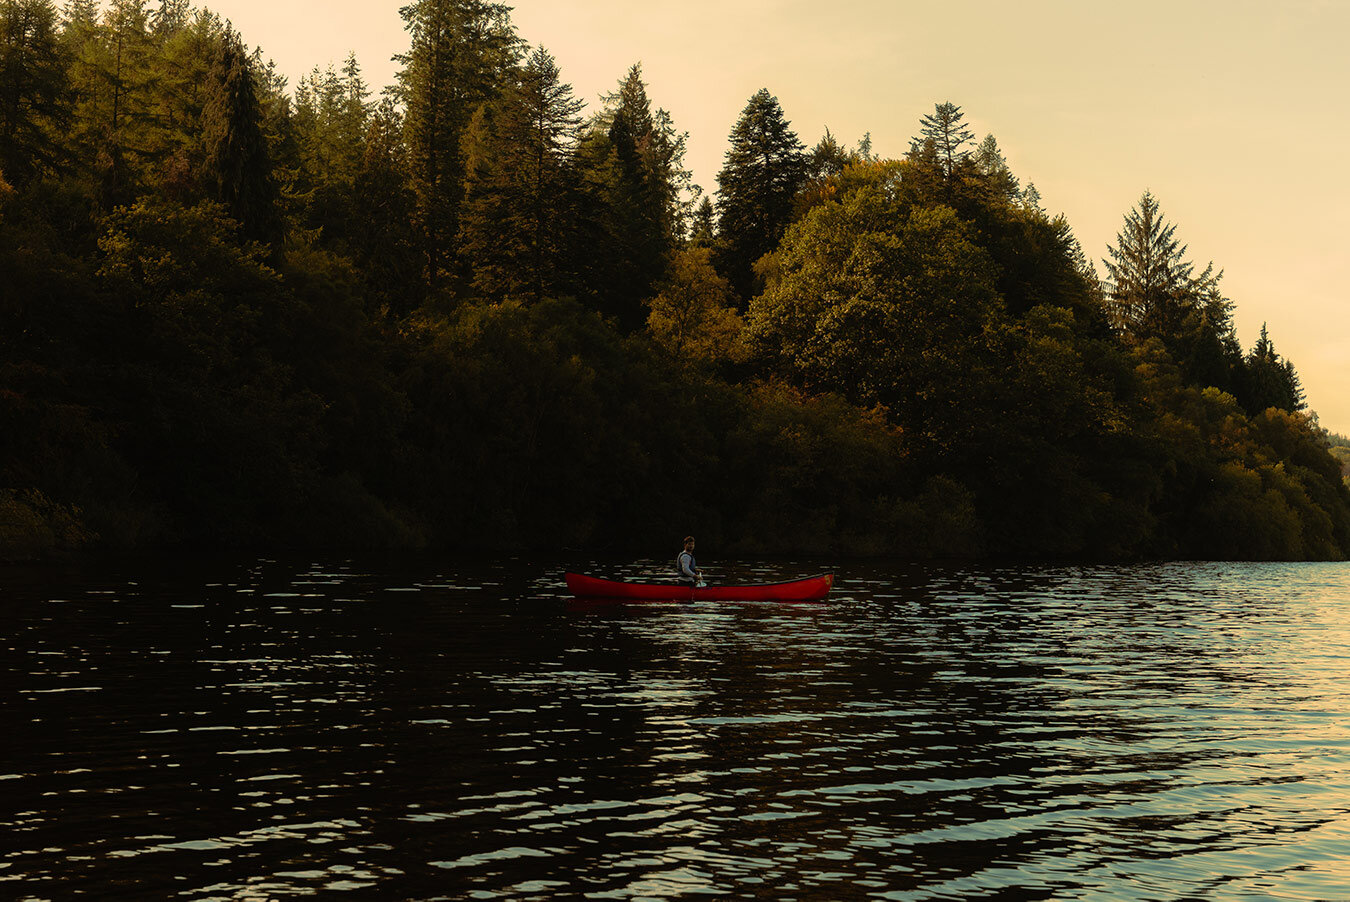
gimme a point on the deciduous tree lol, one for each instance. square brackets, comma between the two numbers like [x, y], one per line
[885, 305]
[693, 316]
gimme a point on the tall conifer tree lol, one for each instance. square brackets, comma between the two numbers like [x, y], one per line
[115, 79]
[331, 116]
[703, 224]
[994, 169]
[518, 226]
[1270, 380]
[1150, 281]
[638, 203]
[652, 154]
[1152, 291]
[132, 74]
[186, 57]
[945, 137]
[387, 247]
[764, 169]
[462, 51]
[239, 164]
[32, 88]
[633, 162]
[171, 16]
[79, 14]
[79, 37]
[354, 106]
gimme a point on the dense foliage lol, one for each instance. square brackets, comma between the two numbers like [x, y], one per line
[469, 315]
[1340, 449]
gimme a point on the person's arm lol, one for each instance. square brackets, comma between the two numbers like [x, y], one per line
[685, 559]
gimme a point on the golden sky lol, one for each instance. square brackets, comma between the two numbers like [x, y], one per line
[1232, 112]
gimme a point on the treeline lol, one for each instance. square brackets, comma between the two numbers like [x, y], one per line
[469, 313]
[1340, 449]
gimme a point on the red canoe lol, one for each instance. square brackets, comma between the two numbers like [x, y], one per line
[809, 589]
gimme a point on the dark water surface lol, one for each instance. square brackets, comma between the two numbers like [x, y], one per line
[258, 730]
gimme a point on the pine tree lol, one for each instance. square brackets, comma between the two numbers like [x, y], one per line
[703, 226]
[331, 117]
[825, 163]
[79, 14]
[1031, 197]
[828, 158]
[651, 157]
[518, 223]
[171, 16]
[239, 165]
[634, 160]
[132, 75]
[993, 167]
[386, 248]
[652, 152]
[1151, 285]
[32, 88]
[630, 115]
[1152, 291]
[864, 150]
[310, 99]
[187, 55]
[945, 138]
[79, 25]
[1270, 381]
[462, 52]
[764, 169]
[115, 78]
[277, 116]
[353, 109]
[941, 166]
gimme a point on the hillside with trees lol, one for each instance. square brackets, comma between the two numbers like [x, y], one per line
[469, 312]
[1340, 449]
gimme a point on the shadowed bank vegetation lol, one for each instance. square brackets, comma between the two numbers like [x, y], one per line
[469, 312]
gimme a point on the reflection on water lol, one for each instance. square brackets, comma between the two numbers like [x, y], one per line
[214, 731]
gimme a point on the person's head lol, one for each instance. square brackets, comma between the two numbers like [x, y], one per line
[688, 543]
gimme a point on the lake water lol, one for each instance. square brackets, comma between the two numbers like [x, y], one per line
[263, 730]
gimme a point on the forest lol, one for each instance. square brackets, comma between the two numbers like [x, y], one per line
[466, 312]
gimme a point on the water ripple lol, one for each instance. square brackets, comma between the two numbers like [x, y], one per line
[258, 731]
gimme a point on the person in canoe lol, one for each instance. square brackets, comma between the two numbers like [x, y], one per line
[686, 567]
